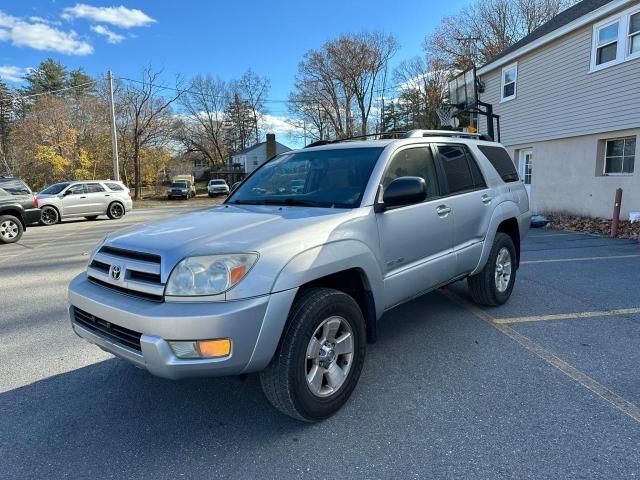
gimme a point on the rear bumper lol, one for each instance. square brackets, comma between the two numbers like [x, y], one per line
[32, 215]
[253, 325]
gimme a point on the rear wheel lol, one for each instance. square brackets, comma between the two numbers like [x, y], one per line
[115, 211]
[494, 284]
[10, 229]
[49, 216]
[320, 357]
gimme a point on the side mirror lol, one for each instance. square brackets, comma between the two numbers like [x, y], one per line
[67, 192]
[404, 191]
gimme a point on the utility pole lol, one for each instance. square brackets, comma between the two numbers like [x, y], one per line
[114, 135]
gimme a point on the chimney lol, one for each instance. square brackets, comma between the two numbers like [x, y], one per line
[271, 145]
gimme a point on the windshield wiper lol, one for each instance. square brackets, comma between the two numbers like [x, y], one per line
[298, 202]
[247, 202]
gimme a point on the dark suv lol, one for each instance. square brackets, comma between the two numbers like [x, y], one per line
[18, 208]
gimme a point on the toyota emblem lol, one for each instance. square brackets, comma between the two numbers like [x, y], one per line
[115, 271]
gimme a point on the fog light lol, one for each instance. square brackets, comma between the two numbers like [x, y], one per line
[202, 348]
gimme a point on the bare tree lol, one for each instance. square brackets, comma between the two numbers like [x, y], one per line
[203, 128]
[490, 26]
[339, 85]
[422, 85]
[253, 90]
[146, 118]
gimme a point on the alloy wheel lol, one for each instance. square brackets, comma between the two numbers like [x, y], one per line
[9, 230]
[503, 270]
[329, 356]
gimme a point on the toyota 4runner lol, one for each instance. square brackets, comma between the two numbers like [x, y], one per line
[289, 276]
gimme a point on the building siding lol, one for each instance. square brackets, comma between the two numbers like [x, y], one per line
[557, 96]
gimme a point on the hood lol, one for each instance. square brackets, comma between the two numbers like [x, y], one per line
[229, 229]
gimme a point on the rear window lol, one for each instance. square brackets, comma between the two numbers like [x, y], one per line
[501, 161]
[114, 187]
[460, 169]
[15, 187]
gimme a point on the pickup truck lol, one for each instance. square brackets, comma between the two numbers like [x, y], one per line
[291, 274]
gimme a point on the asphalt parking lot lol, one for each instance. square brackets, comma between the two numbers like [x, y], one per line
[546, 386]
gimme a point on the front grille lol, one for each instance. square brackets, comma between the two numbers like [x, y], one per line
[114, 333]
[126, 271]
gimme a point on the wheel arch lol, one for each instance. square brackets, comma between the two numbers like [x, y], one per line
[14, 212]
[505, 220]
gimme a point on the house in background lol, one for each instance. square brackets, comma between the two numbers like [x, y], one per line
[568, 97]
[251, 158]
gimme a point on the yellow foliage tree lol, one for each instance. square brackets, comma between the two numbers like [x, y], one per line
[85, 169]
[51, 160]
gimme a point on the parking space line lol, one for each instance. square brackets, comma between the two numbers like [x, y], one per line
[572, 372]
[567, 316]
[579, 259]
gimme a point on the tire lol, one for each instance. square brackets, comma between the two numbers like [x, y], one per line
[11, 229]
[115, 210]
[49, 215]
[92, 217]
[211, 195]
[314, 314]
[494, 283]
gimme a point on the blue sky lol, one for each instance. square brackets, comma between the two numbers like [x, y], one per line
[187, 37]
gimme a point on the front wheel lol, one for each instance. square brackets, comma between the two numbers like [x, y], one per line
[494, 284]
[49, 216]
[10, 229]
[115, 211]
[320, 357]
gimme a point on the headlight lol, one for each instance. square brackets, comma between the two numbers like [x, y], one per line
[209, 275]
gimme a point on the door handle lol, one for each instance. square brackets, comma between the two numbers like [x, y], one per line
[443, 210]
[83, 197]
[107, 195]
[486, 199]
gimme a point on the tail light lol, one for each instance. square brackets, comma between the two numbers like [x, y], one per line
[129, 192]
[35, 202]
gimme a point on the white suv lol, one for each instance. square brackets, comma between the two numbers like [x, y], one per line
[89, 199]
[217, 187]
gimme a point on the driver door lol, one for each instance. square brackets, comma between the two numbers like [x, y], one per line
[75, 200]
[416, 240]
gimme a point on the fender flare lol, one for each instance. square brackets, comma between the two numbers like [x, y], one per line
[504, 211]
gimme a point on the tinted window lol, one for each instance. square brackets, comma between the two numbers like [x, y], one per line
[94, 188]
[114, 186]
[55, 188]
[501, 161]
[179, 185]
[316, 178]
[75, 189]
[460, 169]
[414, 162]
[15, 187]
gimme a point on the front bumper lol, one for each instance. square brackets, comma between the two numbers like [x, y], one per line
[253, 325]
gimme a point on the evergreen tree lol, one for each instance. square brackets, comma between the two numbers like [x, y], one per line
[50, 76]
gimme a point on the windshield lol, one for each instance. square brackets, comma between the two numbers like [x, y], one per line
[55, 189]
[323, 178]
[179, 185]
[217, 182]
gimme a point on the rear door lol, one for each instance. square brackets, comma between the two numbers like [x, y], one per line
[470, 201]
[97, 198]
[416, 240]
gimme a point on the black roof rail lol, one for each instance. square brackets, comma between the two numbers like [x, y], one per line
[382, 136]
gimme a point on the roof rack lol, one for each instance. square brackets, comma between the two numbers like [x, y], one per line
[381, 136]
[442, 133]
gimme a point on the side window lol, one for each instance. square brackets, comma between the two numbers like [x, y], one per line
[76, 189]
[95, 188]
[114, 187]
[460, 169]
[414, 162]
[15, 187]
[501, 161]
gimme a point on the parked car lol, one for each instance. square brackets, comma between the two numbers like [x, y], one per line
[291, 284]
[217, 187]
[18, 209]
[189, 179]
[86, 198]
[180, 189]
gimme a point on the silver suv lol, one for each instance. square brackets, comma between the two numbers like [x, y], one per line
[289, 276]
[89, 199]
